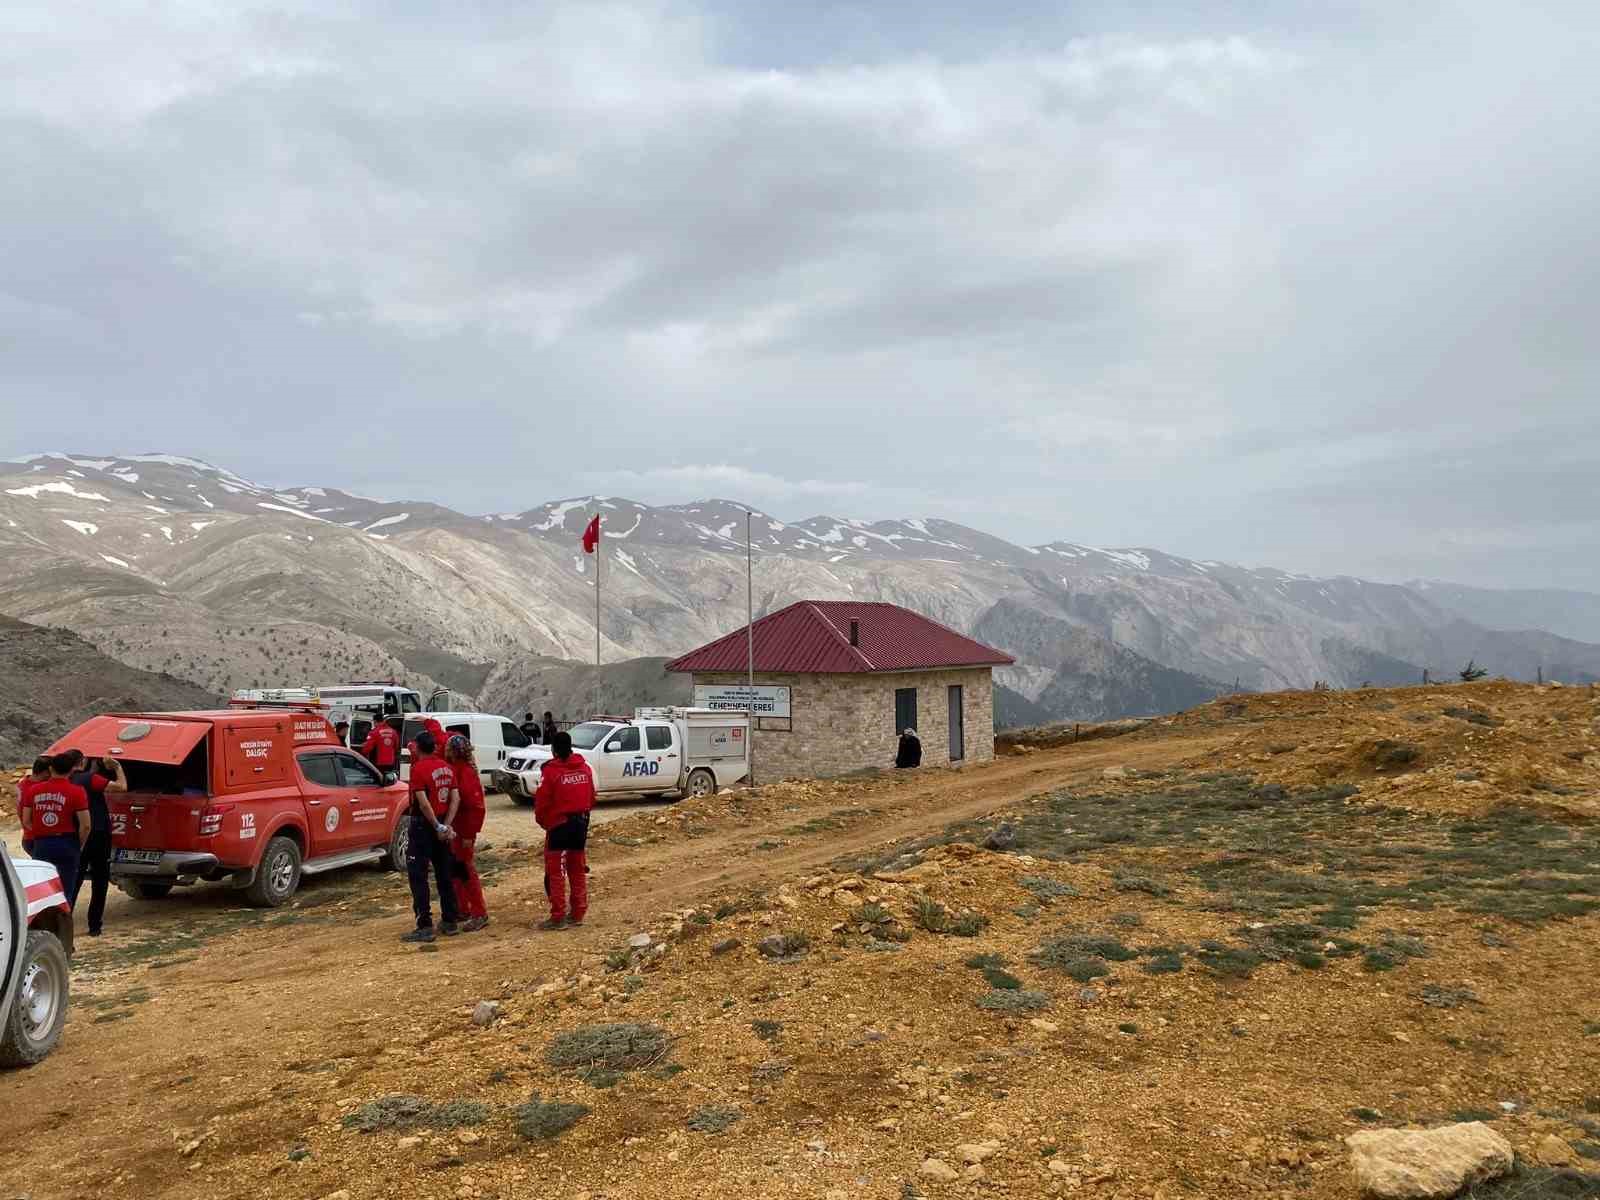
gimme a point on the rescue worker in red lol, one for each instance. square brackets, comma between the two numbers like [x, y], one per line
[466, 819]
[427, 841]
[26, 788]
[561, 805]
[56, 813]
[430, 725]
[382, 749]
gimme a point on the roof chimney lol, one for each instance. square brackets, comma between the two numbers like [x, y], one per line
[855, 632]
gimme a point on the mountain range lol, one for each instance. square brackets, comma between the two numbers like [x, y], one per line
[172, 564]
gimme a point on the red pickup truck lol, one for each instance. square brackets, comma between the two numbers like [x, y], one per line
[256, 797]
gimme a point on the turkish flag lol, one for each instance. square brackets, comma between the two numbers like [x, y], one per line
[591, 535]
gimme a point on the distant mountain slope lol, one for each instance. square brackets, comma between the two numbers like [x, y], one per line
[1574, 615]
[53, 680]
[173, 564]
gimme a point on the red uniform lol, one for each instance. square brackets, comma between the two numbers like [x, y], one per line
[432, 775]
[382, 746]
[561, 806]
[432, 726]
[55, 804]
[26, 789]
[467, 823]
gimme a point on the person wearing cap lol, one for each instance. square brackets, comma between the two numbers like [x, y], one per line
[427, 841]
[466, 819]
[561, 806]
[97, 777]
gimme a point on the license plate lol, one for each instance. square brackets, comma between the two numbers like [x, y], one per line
[137, 856]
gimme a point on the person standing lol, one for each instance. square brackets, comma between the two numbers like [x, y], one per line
[97, 777]
[910, 752]
[382, 749]
[561, 806]
[466, 819]
[531, 729]
[427, 841]
[549, 729]
[25, 788]
[57, 813]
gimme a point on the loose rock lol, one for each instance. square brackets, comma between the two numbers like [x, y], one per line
[1553, 1151]
[640, 941]
[1416, 1164]
[726, 946]
[485, 1013]
[938, 1169]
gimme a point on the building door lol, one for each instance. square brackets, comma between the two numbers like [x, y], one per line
[905, 709]
[958, 729]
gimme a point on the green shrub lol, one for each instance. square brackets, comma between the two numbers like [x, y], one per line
[621, 1047]
[413, 1112]
[1020, 1001]
[714, 1118]
[541, 1120]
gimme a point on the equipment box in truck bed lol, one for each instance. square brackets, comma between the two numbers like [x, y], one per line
[256, 797]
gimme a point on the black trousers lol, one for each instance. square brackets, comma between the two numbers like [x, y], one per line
[61, 852]
[95, 865]
[426, 849]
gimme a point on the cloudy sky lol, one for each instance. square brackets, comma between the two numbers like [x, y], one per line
[1301, 284]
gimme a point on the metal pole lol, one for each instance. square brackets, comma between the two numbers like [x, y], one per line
[599, 555]
[750, 638]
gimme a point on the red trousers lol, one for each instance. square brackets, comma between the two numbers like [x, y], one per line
[469, 888]
[560, 868]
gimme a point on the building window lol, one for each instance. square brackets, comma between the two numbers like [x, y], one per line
[905, 709]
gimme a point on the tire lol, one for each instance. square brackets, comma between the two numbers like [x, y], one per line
[701, 783]
[141, 889]
[277, 874]
[394, 858]
[33, 1026]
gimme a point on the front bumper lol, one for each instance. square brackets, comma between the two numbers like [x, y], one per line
[510, 783]
[171, 865]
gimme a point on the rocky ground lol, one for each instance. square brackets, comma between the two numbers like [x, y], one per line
[1190, 960]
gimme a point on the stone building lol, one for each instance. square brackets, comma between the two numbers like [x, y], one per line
[836, 682]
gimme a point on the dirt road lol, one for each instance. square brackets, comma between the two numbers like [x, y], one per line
[187, 1006]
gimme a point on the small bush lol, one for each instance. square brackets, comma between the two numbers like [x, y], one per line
[767, 1031]
[1162, 961]
[621, 1047]
[931, 915]
[1127, 1027]
[1003, 980]
[1231, 962]
[985, 962]
[541, 1120]
[1128, 881]
[1068, 946]
[1127, 920]
[874, 914]
[1046, 889]
[1020, 1001]
[413, 1112]
[714, 1119]
[969, 924]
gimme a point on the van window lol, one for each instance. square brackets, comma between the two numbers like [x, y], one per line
[658, 737]
[410, 703]
[319, 769]
[463, 729]
[355, 773]
[512, 736]
[625, 741]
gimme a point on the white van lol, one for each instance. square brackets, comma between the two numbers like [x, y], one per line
[493, 738]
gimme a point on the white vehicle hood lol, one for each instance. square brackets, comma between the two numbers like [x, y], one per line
[41, 884]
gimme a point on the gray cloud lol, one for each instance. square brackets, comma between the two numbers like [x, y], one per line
[1315, 291]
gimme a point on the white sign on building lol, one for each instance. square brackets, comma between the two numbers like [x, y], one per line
[762, 700]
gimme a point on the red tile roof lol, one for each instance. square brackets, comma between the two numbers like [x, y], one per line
[814, 636]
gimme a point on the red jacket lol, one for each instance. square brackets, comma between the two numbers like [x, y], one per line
[566, 788]
[382, 746]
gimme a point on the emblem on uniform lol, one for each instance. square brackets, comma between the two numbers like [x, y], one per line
[49, 818]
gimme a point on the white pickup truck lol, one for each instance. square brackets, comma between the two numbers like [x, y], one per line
[690, 751]
[35, 944]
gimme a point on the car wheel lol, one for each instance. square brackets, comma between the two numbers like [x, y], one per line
[702, 783]
[33, 1026]
[277, 875]
[395, 858]
[141, 890]
[519, 799]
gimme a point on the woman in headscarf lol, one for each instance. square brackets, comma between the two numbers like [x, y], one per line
[467, 823]
[910, 752]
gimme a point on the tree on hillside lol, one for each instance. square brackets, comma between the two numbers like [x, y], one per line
[1472, 671]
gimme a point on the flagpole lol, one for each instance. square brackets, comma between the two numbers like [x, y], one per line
[598, 556]
[750, 639]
